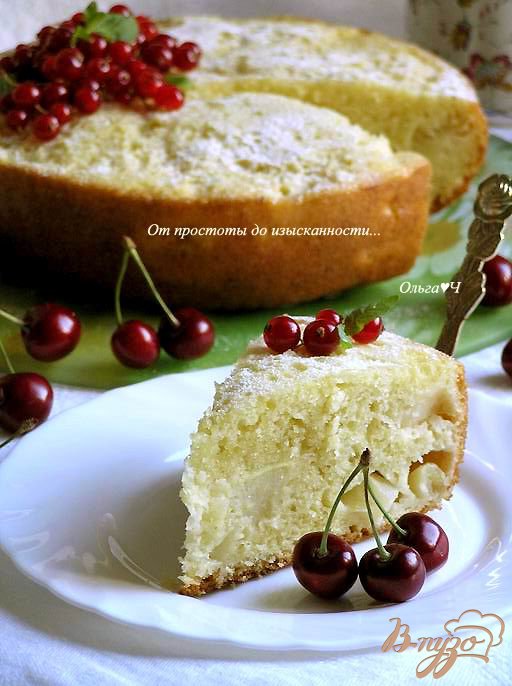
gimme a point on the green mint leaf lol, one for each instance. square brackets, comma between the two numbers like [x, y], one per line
[90, 12]
[7, 84]
[356, 320]
[182, 82]
[345, 341]
[113, 27]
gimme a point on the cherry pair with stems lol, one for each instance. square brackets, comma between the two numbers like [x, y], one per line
[326, 565]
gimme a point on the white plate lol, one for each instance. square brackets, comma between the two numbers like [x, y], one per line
[89, 508]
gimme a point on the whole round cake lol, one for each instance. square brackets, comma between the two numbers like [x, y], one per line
[300, 164]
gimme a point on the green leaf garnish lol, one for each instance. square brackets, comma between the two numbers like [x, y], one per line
[7, 83]
[112, 27]
[345, 340]
[177, 80]
[356, 320]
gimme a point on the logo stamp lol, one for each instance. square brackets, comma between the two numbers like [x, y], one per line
[473, 634]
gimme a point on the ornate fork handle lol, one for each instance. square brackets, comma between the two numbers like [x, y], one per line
[492, 207]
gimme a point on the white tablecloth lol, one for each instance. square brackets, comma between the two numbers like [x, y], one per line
[43, 641]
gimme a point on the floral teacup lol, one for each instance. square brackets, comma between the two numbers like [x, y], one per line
[476, 35]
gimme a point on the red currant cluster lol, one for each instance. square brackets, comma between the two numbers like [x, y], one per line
[185, 335]
[321, 336]
[326, 565]
[58, 76]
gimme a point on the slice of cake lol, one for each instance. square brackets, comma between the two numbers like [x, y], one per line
[389, 87]
[285, 431]
[190, 186]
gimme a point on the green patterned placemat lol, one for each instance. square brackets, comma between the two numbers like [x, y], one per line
[418, 315]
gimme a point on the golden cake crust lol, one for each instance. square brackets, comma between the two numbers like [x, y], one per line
[243, 573]
[74, 229]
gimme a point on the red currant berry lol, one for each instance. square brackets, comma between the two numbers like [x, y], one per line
[7, 64]
[321, 337]
[78, 18]
[17, 119]
[147, 28]
[24, 396]
[395, 579]
[97, 68]
[68, 25]
[327, 576]
[70, 62]
[50, 332]
[120, 52]
[94, 46]
[329, 316]
[49, 67]
[123, 96]
[157, 56]
[169, 98]
[46, 127]
[87, 100]
[120, 9]
[148, 83]
[186, 56]
[193, 338]
[498, 285]
[370, 332]
[506, 358]
[136, 67]
[23, 55]
[60, 39]
[54, 92]
[281, 333]
[92, 84]
[135, 344]
[165, 40]
[118, 81]
[426, 536]
[45, 35]
[62, 111]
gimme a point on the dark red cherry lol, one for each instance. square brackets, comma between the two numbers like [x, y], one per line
[328, 576]
[370, 332]
[329, 316]
[70, 62]
[26, 95]
[426, 536]
[396, 579]
[506, 358]
[135, 344]
[120, 52]
[50, 332]
[281, 333]
[87, 100]
[498, 286]
[54, 92]
[23, 396]
[321, 337]
[191, 339]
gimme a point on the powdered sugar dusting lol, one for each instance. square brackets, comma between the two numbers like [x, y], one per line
[283, 49]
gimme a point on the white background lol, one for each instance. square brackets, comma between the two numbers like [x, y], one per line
[43, 641]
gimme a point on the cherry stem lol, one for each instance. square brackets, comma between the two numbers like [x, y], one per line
[382, 551]
[386, 514]
[23, 429]
[132, 250]
[119, 285]
[322, 551]
[12, 318]
[7, 359]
